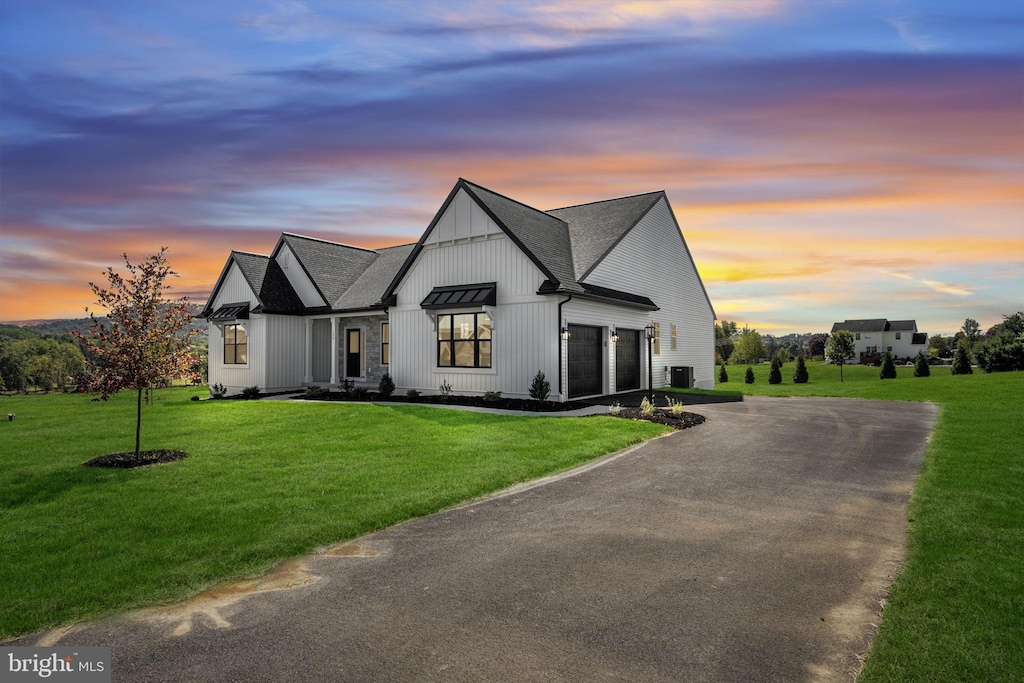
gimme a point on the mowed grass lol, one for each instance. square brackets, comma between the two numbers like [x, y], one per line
[956, 612]
[264, 481]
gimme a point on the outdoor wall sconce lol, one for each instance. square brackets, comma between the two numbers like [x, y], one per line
[614, 338]
[565, 333]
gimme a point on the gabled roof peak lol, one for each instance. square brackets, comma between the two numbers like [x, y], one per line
[506, 197]
[248, 253]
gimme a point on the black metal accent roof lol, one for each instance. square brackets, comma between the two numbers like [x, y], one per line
[462, 296]
[231, 312]
[919, 338]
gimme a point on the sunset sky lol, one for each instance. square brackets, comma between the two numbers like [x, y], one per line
[826, 160]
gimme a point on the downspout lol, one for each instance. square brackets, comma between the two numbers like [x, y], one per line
[558, 329]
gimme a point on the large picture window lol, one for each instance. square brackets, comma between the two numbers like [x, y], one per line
[464, 340]
[236, 345]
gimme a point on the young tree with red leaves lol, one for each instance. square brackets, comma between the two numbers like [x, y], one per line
[144, 339]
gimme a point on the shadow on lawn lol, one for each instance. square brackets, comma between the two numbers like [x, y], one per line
[30, 488]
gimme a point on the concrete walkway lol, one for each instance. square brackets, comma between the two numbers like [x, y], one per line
[755, 547]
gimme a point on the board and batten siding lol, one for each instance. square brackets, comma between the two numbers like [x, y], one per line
[302, 285]
[237, 377]
[652, 260]
[322, 350]
[286, 338]
[235, 289]
[466, 247]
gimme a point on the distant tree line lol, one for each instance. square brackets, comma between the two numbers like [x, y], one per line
[47, 356]
[998, 349]
[28, 359]
[739, 346]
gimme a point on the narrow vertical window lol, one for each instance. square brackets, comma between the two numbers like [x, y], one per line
[385, 344]
[657, 338]
[673, 337]
[236, 345]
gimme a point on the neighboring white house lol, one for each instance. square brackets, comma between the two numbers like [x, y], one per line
[874, 337]
[493, 291]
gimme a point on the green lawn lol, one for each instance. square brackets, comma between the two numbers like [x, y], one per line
[956, 612]
[264, 480]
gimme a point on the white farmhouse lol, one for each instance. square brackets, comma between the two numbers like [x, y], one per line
[874, 337]
[493, 292]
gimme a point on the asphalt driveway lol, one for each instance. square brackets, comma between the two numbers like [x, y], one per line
[755, 547]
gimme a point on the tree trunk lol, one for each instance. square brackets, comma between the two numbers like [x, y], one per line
[138, 423]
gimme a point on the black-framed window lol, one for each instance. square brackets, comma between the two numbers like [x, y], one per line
[464, 340]
[385, 344]
[236, 344]
[897, 335]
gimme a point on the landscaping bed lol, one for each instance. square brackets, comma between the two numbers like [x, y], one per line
[663, 417]
[452, 400]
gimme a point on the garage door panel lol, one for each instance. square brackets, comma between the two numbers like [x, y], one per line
[627, 360]
[585, 360]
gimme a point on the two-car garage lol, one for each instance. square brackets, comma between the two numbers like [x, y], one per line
[586, 360]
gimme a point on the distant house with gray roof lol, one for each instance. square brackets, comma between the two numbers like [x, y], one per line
[875, 336]
[493, 291]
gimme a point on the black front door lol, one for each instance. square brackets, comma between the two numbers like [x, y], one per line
[353, 353]
[627, 360]
[584, 360]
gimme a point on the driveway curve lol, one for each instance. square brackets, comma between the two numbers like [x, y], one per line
[756, 547]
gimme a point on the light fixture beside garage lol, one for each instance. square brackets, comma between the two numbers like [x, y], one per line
[565, 333]
[614, 338]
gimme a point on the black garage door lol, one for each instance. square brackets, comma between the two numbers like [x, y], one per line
[627, 360]
[584, 360]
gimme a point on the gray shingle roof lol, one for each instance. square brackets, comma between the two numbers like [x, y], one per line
[873, 325]
[566, 244]
[876, 325]
[544, 237]
[332, 267]
[369, 287]
[269, 282]
[597, 227]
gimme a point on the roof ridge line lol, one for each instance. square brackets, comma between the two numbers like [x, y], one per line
[249, 253]
[601, 201]
[320, 239]
[514, 201]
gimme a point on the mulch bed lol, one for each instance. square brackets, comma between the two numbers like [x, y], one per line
[664, 417]
[127, 460]
[478, 401]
